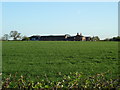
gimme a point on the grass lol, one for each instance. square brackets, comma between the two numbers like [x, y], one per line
[48, 58]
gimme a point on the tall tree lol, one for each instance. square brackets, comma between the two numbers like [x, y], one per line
[15, 35]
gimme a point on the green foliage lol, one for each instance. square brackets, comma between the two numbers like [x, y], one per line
[25, 38]
[113, 39]
[15, 35]
[72, 80]
[96, 38]
[116, 38]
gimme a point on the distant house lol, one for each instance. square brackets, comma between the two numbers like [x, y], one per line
[72, 38]
[79, 37]
[88, 38]
[66, 37]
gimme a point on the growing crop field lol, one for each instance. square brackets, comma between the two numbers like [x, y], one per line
[47, 58]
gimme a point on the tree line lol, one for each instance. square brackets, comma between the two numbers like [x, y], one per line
[15, 35]
[113, 39]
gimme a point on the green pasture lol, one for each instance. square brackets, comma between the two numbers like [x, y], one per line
[47, 58]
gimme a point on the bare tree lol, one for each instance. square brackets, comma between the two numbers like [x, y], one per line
[15, 35]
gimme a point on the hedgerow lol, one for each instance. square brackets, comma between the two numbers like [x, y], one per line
[71, 81]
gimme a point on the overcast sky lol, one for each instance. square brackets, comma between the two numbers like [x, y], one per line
[50, 18]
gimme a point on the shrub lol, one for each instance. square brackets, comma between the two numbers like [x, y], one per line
[71, 81]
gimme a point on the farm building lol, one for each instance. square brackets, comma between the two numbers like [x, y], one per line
[49, 38]
[53, 38]
[79, 37]
[66, 37]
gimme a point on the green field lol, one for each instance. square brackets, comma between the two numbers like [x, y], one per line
[40, 58]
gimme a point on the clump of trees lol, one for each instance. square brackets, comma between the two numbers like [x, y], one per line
[25, 38]
[15, 35]
[95, 38]
[113, 39]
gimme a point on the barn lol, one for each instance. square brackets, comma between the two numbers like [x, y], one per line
[66, 37]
